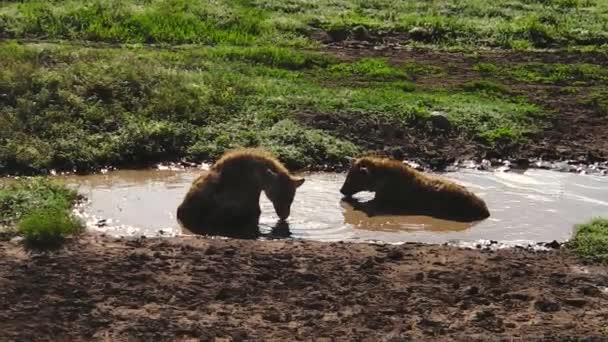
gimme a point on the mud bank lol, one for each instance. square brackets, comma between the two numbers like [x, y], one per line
[184, 288]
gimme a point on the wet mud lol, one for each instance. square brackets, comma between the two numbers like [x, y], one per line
[184, 289]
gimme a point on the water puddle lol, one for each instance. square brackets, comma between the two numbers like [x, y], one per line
[534, 205]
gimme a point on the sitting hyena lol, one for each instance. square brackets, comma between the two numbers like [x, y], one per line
[401, 189]
[227, 197]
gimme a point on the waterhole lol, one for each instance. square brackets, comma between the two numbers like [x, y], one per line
[528, 206]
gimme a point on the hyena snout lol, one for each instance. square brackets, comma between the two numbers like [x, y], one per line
[283, 211]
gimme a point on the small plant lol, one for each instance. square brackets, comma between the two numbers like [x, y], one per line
[367, 67]
[598, 102]
[486, 68]
[414, 69]
[48, 227]
[23, 196]
[591, 240]
[486, 87]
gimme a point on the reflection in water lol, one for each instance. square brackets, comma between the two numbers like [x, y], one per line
[534, 205]
[396, 223]
[279, 231]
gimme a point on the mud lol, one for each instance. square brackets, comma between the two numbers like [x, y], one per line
[178, 289]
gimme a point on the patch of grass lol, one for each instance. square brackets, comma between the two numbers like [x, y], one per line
[598, 102]
[559, 73]
[591, 240]
[40, 209]
[48, 227]
[486, 68]
[414, 69]
[83, 108]
[556, 73]
[368, 68]
[278, 57]
[518, 24]
[298, 147]
[486, 87]
[22, 196]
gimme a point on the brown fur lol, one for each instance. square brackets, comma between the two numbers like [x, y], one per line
[227, 197]
[400, 188]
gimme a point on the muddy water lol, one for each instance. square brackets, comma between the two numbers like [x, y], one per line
[529, 206]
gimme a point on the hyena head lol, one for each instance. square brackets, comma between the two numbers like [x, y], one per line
[280, 188]
[359, 178]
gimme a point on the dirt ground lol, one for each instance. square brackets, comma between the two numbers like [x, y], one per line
[234, 290]
[576, 133]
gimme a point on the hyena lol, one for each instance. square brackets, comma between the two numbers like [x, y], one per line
[401, 189]
[227, 196]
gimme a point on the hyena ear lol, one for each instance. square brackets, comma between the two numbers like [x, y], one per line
[298, 181]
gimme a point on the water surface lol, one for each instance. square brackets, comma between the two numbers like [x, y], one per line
[534, 205]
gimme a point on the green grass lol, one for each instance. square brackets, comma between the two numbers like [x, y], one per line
[367, 68]
[39, 209]
[517, 24]
[48, 227]
[591, 240]
[547, 73]
[486, 87]
[83, 108]
[21, 196]
[598, 102]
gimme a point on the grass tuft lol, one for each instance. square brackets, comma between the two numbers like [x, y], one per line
[40, 208]
[48, 227]
[591, 240]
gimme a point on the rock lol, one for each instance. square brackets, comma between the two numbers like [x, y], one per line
[547, 305]
[361, 33]
[395, 255]
[589, 290]
[17, 240]
[518, 296]
[420, 34]
[338, 34]
[472, 290]
[319, 35]
[578, 302]
[440, 120]
[553, 244]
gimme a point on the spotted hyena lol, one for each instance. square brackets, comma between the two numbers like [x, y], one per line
[227, 196]
[401, 189]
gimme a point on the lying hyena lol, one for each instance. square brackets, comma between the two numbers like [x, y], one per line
[401, 189]
[227, 197]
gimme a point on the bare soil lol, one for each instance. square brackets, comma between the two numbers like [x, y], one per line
[575, 131]
[235, 290]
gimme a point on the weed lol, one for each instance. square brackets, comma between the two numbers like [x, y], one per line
[367, 67]
[414, 69]
[547, 73]
[19, 197]
[591, 240]
[598, 102]
[486, 68]
[486, 87]
[48, 227]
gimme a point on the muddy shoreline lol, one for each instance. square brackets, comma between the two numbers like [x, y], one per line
[198, 288]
